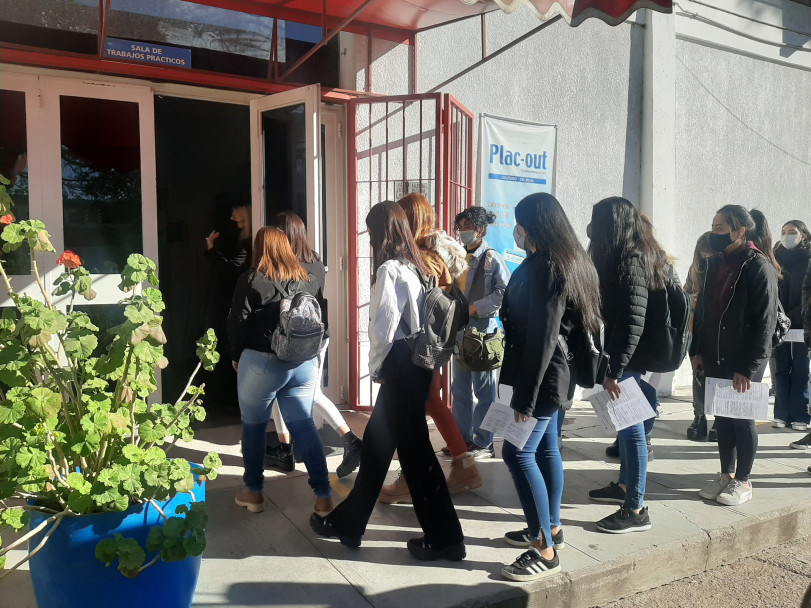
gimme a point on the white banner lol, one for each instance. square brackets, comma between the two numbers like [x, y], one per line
[516, 158]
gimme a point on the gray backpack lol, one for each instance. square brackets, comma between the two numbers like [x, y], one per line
[443, 314]
[300, 332]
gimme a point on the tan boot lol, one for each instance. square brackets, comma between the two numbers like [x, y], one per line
[395, 492]
[464, 475]
[323, 506]
[253, 501]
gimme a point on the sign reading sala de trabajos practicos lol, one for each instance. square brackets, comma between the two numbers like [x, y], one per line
[516, 158]
[146, 52]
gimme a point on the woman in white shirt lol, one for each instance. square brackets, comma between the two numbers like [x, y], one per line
[398, 420]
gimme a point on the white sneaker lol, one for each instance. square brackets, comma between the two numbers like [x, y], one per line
[719, 484]
[778, 424]
[799, 426]
[737, 492]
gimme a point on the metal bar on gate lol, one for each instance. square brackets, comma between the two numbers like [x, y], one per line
[386, 181]
[404, 151]
[352, 204]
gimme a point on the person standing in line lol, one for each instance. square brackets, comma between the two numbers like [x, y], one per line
[735, 321]
[436, 247]
[806, 441]
[398, 420]
[553, 290]
[484, 296]
[697, 431]
[281, 456]
[629, 264]
[263, 377]
[790, 359]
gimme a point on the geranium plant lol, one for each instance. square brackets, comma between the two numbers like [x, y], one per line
[77, 434]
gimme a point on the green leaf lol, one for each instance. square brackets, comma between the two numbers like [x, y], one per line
[12, 412]
[133, 453]
[154, 539]
[195, 543]
[79, 503]
[152, 433]
[16, 517]
[212, 461]
[43, 403]
[107, 550]
[206, 350]
[77, 482]
[29, 457]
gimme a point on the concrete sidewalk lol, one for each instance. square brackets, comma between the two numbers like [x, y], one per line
[273, 558]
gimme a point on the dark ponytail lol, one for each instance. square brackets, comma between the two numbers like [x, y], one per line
[762, 238]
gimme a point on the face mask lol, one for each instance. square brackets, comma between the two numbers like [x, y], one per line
[719, 242]
[790, 241]
[520, 239]
[468, 237]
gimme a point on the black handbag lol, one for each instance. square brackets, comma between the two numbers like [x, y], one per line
[588, 362]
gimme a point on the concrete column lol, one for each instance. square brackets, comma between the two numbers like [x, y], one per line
[658, 171]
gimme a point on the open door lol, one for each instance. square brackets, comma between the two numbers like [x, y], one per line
[286, 159]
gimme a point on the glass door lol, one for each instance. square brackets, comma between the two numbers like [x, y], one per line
[286, 159]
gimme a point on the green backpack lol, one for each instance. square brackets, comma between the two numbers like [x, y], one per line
[480, 351]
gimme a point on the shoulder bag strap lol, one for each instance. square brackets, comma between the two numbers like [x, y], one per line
[477, 285]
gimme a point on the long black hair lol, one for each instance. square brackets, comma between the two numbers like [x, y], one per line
[617, 233]
[549, 230]
[391, 236]
[756, 229]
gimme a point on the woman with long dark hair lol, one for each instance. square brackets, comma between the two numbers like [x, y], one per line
[735, 320]
[629, 264]
[398, 420]
[790, 374]
[281, 456]
[444, 259]
[263, 377]
[553, 290]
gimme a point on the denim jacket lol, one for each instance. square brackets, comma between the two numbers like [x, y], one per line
[496, 277]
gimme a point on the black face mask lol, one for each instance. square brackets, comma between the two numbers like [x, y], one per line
[719, 242]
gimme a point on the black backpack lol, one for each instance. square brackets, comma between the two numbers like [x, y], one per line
[443, 314]
[666, 337]
[588, 362]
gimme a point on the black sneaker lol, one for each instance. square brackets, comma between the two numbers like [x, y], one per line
[698, 430]
[613, 450]
[351, 459]
[531, 566]
[470, 446]
[419, 548]
[279, 458]
[322, 527]
[611, 493]
[624, 521]
[482, 453]
[520, 538]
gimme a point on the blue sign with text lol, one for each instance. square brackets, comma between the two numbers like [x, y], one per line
[146, 52]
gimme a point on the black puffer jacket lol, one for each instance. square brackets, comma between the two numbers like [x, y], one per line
[625, 302]
[794, 263]
[534, 313]
[742, 342]
[255, 310]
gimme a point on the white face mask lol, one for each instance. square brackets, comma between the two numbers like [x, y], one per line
[790, 241]
[520, 239]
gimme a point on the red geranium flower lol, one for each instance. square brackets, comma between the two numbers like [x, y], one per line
[6, 219]
[69, 259]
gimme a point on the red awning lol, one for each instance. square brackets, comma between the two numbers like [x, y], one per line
[414, 15]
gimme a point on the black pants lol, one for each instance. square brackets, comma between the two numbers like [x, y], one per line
[398, 422]
[737, 438]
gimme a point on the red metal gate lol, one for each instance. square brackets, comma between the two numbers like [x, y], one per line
[397, 145]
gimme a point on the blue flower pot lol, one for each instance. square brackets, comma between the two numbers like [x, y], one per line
[66, 573]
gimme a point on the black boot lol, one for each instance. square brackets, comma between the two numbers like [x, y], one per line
[613, 450]
[698, 430]
[351, 460]
[280, 457]
[713, 434]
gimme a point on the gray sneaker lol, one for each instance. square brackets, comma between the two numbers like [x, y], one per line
[482, 453]
[736, 493]
[719, 484]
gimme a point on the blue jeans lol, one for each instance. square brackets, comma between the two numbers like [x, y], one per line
[465, 385]
[634, 450]
[262, 377]
[537, 471]
[791, 383]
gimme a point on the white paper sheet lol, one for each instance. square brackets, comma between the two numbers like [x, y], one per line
[794, 335]
[500, 419]
[720, 399]
[628, 409]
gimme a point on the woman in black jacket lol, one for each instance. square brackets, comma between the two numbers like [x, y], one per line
[629, 263]
[735, 320]
[554, 289]
[263, 377]
[790, 375]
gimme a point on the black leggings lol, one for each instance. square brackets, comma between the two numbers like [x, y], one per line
[737, 438]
